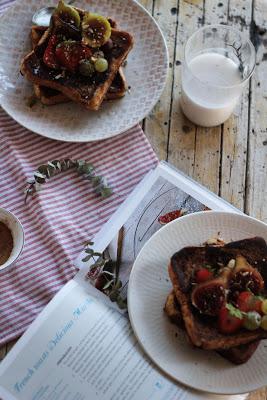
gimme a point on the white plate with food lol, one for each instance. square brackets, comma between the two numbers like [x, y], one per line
[145, 72]
[231, 317]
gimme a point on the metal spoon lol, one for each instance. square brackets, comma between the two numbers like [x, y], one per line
[42, 17]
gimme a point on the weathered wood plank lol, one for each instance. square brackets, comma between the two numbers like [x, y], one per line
[157, 122]
[256, 204]
[235, 130]
[208, 141]
[258, 395]
[182, 136]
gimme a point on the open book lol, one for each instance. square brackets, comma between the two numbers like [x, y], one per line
[81, 347]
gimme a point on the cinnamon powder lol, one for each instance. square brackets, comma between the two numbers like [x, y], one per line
[6, 243]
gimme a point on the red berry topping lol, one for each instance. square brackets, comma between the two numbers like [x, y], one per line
[70, 53]
[230, 319]
[49, 57]
[246, 301]
[203, 274]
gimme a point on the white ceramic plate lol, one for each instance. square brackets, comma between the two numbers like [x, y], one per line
[145, 72]
[166, 344]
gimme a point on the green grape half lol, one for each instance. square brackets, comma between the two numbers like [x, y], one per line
[101, 65]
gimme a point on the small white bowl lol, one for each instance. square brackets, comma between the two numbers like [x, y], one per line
[16, 229]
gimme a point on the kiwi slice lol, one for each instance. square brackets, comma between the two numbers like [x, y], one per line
[68, 13]
[96, 30]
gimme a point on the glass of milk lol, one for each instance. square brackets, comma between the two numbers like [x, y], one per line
[218, 62]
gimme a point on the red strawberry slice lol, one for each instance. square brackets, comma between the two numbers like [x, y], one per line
[49, 54]
[203, 274]
[70, 53]
[230, 319]
[246, 301]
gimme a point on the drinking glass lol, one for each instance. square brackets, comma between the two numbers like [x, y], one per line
[218, 62]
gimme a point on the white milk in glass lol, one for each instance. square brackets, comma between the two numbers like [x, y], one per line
[209, 94]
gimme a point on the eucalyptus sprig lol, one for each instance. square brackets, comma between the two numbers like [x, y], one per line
[104, 275]
[52, 168]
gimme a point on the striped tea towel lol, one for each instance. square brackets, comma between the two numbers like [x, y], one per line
[63, 216]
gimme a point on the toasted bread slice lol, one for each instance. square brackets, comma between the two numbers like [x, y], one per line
[237, 355]
[202, 330]
[49, 96]
[90, 92]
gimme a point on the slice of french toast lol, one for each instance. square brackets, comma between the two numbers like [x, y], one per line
[202, 329]
[88, 91]
[237, 355]
[49, 96]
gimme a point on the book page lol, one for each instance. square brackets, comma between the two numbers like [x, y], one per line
[80, 349]
[160, 201]
[83, 350]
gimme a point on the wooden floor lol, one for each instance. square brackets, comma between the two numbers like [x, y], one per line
[231, 159]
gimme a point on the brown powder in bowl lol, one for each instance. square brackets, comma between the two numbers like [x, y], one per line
[6, 243]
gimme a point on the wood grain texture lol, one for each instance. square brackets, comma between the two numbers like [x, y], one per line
[256, 195]
[230, 159]
[235, 130]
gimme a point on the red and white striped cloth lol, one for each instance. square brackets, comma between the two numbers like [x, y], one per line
[59, 219]
[63, 216]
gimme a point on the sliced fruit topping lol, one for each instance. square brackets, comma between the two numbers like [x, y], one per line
[96, 30]
[61, 27]
[264, 306]
[246, 301]
[203, 274]
[68, 13]
[209, 297]
[245, 278]
[86, 68]
[49, 57]
[230, 319]
[252, 320]
[264, 323]
[101, 65]
[69, 54]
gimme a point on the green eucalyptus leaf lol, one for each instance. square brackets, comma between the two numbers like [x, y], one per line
[118, 284]
[122, 303]
[39, 175]
[109, 273]
[46, 171]
[43, 169]
[89, 251]
[89, 243]
[88, 169]
[57, 164]
[50, 164]
[106, 192]
[113, 295]
[96, 254]
[96, 180]
[87, 258]
[108, 284]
